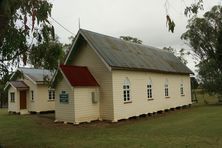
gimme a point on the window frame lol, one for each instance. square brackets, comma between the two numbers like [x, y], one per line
[51, 94]
[126, 91]
[149, 90]
[32, 95]
[182, 89]
[12, 97]
[166, 89]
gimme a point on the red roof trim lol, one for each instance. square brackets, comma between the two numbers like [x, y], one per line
[78, 75]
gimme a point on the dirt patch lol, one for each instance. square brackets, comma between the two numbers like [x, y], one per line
[47, 120]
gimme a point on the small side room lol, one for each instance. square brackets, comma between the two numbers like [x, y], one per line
[77, 95]
[17, 97]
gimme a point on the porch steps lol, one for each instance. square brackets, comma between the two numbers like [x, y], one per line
[24, 111]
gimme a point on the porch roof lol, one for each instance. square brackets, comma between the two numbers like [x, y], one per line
[78, 75]
[20, 85]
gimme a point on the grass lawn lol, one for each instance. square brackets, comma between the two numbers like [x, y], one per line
[198, 126]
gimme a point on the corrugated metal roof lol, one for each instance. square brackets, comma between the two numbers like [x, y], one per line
[19, 85]
[78, 76]
[37, 75]
[119, 54]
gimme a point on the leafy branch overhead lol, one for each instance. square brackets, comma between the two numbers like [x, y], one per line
[170, 23]
[24, 25]
[189, 11]
[194, 8]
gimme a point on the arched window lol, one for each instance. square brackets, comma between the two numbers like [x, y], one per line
[166, 88]
[149, 89]
[126, 90]
[181, 88]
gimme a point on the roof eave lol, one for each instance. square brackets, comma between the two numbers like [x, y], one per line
[23, 88]
[64, 76]
[86, 85]
[73, 44]
[150, 70]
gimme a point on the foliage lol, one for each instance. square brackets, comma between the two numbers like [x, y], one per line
[131, 39]
[46, 55]
[170, 23]
[204, 35]
[189, 11]
[211, 76]
[3, 94]
[57, 79]
[194, 83]
[194, 8]
[24, 23]
[67, 47]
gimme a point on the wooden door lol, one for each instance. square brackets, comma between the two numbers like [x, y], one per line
[23, 99]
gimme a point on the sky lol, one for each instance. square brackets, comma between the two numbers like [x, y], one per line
[143, 19]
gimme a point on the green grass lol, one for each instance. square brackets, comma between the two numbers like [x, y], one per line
[199, 126]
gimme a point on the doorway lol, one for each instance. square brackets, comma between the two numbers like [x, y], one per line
[23, 99]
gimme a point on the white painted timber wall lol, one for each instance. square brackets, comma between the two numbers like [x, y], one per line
[138, 88]
[31, 105]
[41, 100]
[86, 56]
[64, 111]
[85, 109]
[13, 106]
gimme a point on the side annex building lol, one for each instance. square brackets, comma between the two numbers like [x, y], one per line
[28, 91]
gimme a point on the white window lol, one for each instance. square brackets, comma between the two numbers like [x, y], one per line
[126, 90]
[166, 89]
[32, 95]
[181, 89]
[12, 97]
[149, 89]
[51, 94]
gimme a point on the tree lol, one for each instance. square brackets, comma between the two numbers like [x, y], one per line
[3, 95]
[23, 24]
[67, 47]
[194, 83]
[189, 11]
[131, 39]
[46, 55]
[204, 35]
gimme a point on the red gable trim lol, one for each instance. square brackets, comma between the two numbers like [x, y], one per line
[78, 76]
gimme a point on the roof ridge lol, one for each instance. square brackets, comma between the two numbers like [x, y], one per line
[119, 39]
[72, 66]
[33, 68]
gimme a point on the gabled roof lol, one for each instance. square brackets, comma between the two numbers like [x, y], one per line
[20, 85]
[119, 54]
[78, 76]
[37, 75]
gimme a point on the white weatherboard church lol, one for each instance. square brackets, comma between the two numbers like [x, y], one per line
[106, 78]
